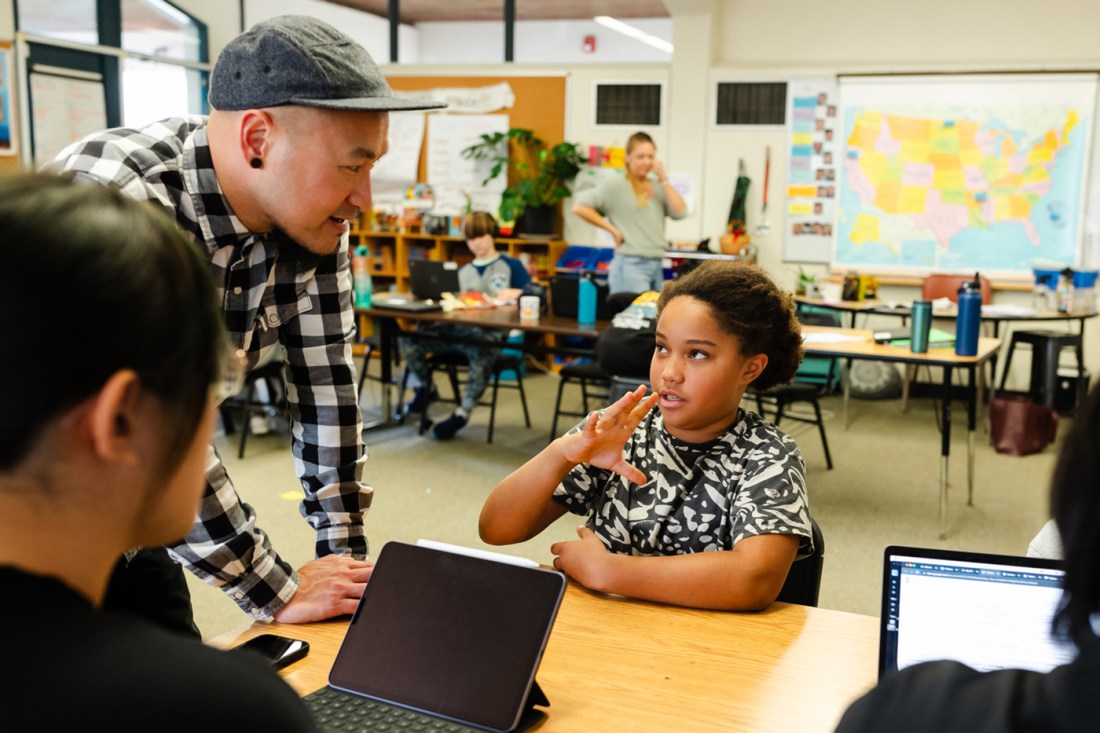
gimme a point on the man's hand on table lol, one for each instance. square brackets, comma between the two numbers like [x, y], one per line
[330, 586]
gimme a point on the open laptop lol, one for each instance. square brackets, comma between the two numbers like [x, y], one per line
[429, 279]
[456, 636]
[986, 611]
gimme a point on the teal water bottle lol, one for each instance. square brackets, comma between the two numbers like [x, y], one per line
[360, 274]
[922, 325]
[586, 299]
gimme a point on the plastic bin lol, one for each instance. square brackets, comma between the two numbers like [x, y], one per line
[577, 257]
[1048, 278]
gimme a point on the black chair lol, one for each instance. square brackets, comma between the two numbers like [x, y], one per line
[785, 394]
[620, 385]
[1046, 348]
[247, 404]
[452, 363]
[803, 584]
[588, 375]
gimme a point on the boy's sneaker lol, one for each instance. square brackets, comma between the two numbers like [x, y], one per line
[447, 429]
[419, 402]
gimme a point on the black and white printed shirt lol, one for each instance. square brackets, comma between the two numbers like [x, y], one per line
[699, 497]
[273, 292]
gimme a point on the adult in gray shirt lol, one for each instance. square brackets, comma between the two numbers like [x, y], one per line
[634, 207]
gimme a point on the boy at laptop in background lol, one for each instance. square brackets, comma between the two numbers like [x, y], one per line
[700, 503]
[948, 696]
[500, 278]
[100, 460]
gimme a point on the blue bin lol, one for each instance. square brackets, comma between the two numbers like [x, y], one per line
[1085, 278]
[1048, 278]
[578, 257]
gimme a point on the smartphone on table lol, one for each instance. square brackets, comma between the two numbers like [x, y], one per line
[279, 651]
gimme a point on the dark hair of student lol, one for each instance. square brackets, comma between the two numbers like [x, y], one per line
[746, 304]
[1075, 506]
[478, 224]
[94, 282]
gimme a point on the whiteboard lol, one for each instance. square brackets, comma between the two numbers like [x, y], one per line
[963, 173]
[453, 177]
[65, 110]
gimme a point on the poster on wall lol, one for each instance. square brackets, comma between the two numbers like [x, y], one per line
[964, 173]
[7, 141]
[813, 137]
[456, 180]
[65, 109]
[398, 168]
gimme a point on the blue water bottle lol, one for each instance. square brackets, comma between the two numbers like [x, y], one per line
[360, 277]
[586, 299]
[969, 322]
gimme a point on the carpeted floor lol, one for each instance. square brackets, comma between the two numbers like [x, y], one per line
[883, 489]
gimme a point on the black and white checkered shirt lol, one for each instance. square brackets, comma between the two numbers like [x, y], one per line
[273, 292]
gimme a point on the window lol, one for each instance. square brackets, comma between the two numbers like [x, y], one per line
[65, 20]
[157, 28]
[629, 103]
[751, 103]
[146, 58]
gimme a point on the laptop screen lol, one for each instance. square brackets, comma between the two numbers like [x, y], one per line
[449, 634]
[429, 279]
[986, 611]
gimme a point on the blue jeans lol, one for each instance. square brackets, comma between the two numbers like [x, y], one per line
[632, 274]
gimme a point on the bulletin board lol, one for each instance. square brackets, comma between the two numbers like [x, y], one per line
[539, 102]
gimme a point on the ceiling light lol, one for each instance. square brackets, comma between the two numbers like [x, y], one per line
[628, 30]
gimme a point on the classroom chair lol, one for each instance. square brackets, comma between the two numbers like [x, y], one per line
[1046, 348]
[589, 376]
[248, 404]
[803, 584]
[451, 363]
[780, 396]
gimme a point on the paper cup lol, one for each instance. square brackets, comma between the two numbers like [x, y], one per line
[529, 308]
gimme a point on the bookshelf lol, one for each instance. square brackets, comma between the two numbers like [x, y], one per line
[391, 252]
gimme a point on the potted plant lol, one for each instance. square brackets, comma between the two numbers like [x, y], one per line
[807, 285]
[539, 177]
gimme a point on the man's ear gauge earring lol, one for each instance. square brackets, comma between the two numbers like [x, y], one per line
[256, 163]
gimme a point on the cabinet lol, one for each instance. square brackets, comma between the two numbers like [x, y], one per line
[390, 253]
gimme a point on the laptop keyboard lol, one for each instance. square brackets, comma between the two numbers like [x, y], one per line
[333, 710]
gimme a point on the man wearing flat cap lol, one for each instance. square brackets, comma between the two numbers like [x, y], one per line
[265, 185]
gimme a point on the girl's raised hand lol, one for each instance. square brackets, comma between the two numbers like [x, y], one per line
[600, 443]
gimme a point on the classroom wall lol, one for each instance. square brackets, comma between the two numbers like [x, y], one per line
[539, 42]
[370, 30]
[222, 19]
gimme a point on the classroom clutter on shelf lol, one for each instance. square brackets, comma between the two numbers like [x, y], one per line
[1064, 290]
[858, 287]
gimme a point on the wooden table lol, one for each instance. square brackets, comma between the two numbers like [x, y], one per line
[501, 319]
[864, 347]
[625, 665]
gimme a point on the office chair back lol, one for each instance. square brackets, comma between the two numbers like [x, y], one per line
[803, 584]
[941, 285]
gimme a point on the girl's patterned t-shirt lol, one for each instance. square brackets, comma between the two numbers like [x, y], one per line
[699, 497]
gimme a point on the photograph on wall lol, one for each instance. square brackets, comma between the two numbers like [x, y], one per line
[811, 129]
[963, 173]
[7, 143]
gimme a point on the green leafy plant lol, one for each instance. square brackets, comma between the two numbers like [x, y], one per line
[807, 283]
[539, 177]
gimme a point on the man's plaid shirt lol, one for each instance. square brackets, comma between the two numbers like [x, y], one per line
[273, 292]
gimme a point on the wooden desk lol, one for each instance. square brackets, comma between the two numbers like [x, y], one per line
[945, 358]
[624, 665]
[502, 319]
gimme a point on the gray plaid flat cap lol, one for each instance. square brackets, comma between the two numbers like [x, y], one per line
[295, 59]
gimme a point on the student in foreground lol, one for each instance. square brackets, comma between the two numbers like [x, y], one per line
[948, 696]
[103, 446]
[698, 503]
[499, 277]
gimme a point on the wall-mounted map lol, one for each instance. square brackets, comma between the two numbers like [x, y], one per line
[963, 172]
